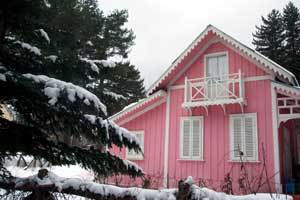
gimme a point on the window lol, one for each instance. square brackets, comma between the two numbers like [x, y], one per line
[216, 74]
[191, 138]
[243, 134]
[131, 154]
[216, 65]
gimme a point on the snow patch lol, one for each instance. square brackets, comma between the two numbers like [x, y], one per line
[45, 35]
[27, 46]
[72, 171]
[121, 132]
[189, 180]
[47, 4]
[93, 66]
[93, 63]
[2, 77]
[130, 164]
[53, 58]
[53, 88]
[89, 43]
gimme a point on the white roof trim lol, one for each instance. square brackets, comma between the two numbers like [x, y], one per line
[286, 89]
[268, 63]
[138, 104]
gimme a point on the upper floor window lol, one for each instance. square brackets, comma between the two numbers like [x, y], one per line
[217, 65]
[243, 137]
[131, 154]
[216, 75]
[191, 138]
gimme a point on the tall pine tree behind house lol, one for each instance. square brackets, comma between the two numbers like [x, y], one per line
[269, 37]
[291, 21]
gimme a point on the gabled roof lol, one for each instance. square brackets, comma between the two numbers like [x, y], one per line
[267, 63]
[139, 105]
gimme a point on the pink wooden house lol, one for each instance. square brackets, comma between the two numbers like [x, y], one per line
[219, 103]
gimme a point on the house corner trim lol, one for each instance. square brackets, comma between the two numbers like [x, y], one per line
[166, 149]
[275, 139]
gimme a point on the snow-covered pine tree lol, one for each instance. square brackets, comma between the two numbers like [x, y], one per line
[42, 70]
[92, 39]
[268, 37]
[291, 21]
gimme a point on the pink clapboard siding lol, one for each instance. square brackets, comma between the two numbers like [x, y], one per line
[153, 125]
[216, 163]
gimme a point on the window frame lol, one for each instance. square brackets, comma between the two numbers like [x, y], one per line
[255, 135]
[136, 156]
[190, 157]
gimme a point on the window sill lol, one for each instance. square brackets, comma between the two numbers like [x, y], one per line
[190, 159]
[134, 158]
[248, 161]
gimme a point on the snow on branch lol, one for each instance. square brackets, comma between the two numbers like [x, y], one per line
[53, 58]
[93, 63]
[119, 133]
[46, 181]
[54, 87]
[45, 35]
[47, 4]
[29, 47]
[114, 95]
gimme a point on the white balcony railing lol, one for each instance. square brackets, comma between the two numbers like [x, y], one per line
[227, 89]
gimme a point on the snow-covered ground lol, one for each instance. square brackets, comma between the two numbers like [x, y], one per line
[77, 178]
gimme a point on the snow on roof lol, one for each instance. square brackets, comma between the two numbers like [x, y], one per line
[266, 62]
[53, 88]
[138, 104]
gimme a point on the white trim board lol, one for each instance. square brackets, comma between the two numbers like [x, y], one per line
[160, 93]
[275, 138]
[166, 149]
[135, 115]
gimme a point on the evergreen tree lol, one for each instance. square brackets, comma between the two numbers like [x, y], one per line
[45, 56]
[291, 20]
[269, 37]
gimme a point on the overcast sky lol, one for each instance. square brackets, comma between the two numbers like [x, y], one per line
[164, 28]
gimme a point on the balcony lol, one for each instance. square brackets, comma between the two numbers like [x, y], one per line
[221, 90]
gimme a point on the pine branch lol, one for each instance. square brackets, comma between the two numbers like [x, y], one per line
[31, 141]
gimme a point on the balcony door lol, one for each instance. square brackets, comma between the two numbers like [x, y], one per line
[216, 76]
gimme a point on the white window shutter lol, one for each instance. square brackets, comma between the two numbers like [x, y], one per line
[191, 138]
[243, 130]
[237, 137]
[250, 138]
[196, 138]
[186, 138]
